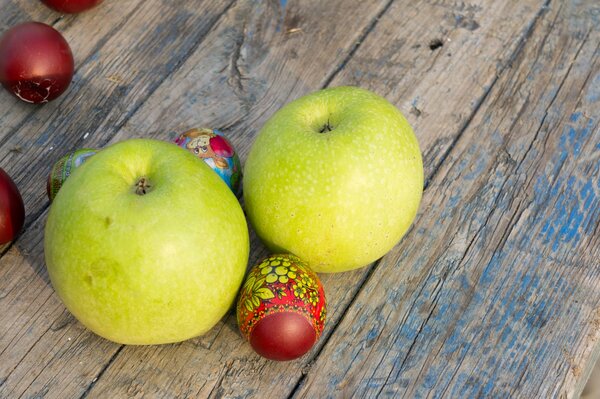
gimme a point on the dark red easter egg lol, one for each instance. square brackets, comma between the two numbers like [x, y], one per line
[281, 309]
[283, 336]
[36, 63]
[12, 211]
[71, 6]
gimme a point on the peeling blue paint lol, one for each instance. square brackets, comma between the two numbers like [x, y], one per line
[573, 199]
[575, 117]
[480, 165]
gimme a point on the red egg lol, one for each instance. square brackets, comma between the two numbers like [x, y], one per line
[36, 63]
[281, 309]
[12, 211]
[71, 6]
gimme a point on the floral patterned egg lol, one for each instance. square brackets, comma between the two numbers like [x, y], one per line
[281, 308]
[212, 147]
[63, 169]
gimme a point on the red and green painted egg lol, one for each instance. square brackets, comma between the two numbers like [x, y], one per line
[281, 308]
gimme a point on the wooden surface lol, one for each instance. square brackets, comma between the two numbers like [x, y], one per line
[494, 292]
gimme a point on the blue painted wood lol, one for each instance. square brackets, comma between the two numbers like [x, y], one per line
[460, 308]
[496, 291]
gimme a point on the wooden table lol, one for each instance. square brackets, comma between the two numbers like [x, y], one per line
[494, 292]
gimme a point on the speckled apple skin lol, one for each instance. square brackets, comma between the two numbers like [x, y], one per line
[340, 199]
[146, 269]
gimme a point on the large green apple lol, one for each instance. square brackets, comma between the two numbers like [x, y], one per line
[335, 178]
[145, 244]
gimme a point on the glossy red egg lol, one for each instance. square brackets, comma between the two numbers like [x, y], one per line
[36, 62]
[71, 6]
[283, 336]
[281, 309]
[12, 211]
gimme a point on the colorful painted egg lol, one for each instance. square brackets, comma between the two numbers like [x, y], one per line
[281, 308]
[63, 169]
[213, 148]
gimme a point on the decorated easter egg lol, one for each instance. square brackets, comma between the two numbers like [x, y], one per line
[63, 168]
[281, 308]
[212, 147]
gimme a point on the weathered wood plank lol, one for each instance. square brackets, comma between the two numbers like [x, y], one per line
[222, 372]
[25, 373]
[37, 339]
[502, 49]
[495, 292]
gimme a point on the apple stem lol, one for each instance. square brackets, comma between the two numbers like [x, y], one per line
[142, 186]
[327, 128]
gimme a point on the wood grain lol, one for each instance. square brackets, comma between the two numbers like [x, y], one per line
[38, 340]
[230, 66]
[495, 292]
[239, 376]
[103, 104]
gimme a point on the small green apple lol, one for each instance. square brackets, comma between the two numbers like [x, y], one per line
[145, 244]
[335, 177]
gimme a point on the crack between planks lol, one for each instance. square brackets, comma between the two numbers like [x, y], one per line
[358, 43]
[101, 373]
[521, 45]
[56, 20]
[414, 342]
[220, 379]
[325, 339]
[235, 74]
[552, 101]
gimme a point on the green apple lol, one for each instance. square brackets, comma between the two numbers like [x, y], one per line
[335, 178]
[145, 244]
